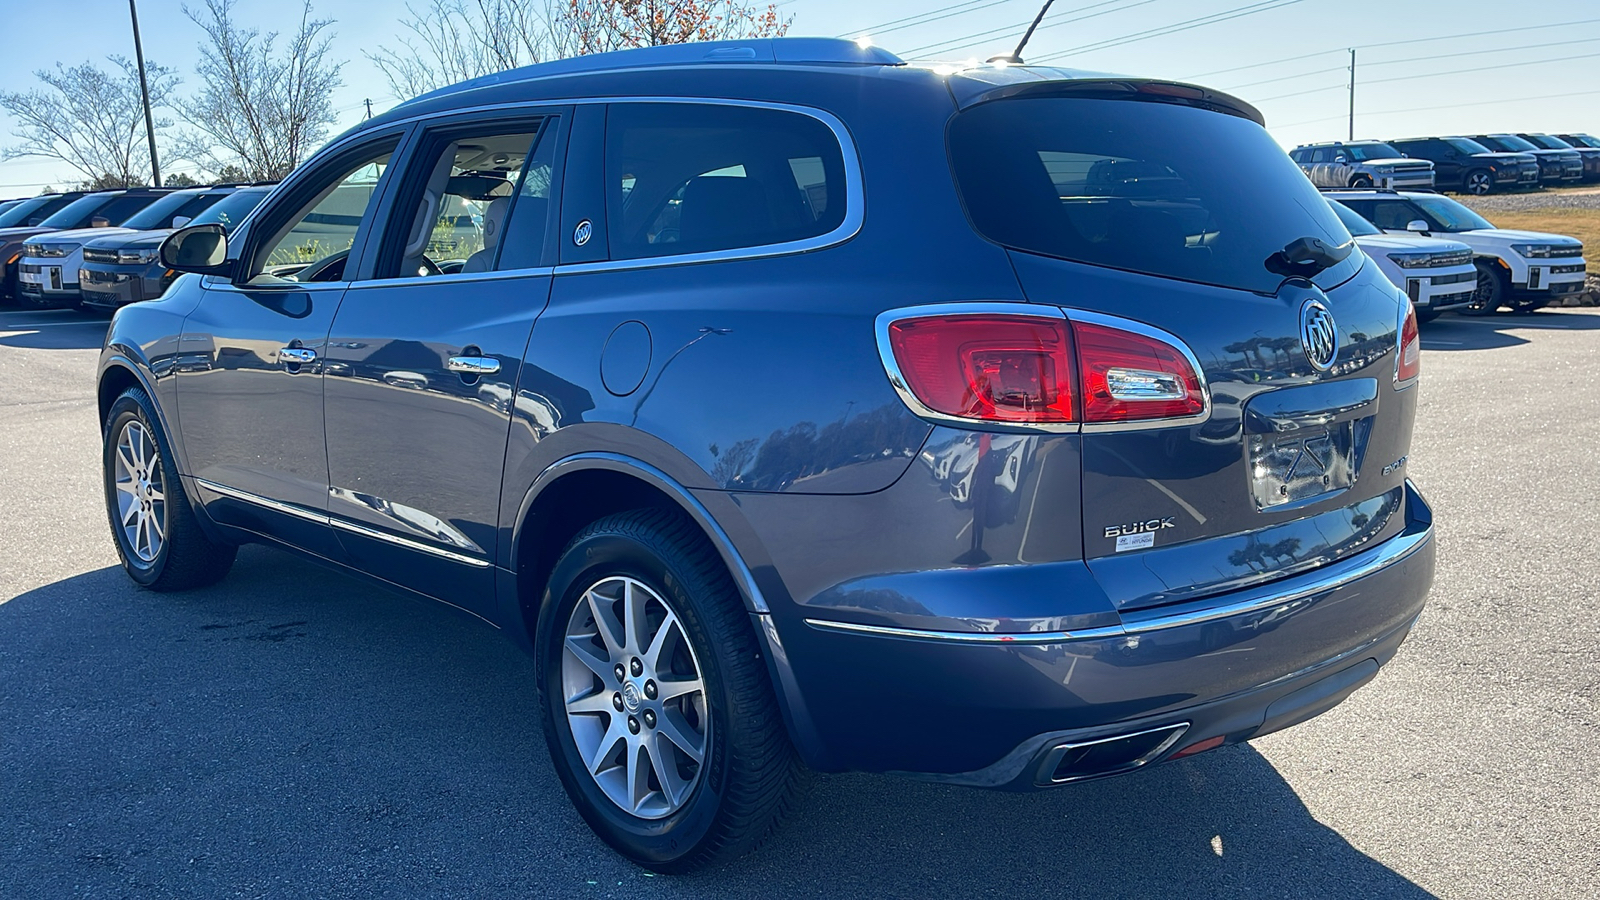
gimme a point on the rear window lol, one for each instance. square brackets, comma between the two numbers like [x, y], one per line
[691, 178]
[1147, 187]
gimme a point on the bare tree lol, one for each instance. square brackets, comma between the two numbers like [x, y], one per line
[259, 109]
[454, 40]
[90, 119]
[579, 27]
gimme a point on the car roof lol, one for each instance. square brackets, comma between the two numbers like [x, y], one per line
[967, 83]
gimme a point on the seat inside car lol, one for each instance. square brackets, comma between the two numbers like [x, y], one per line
[494, 223]
[721, 211]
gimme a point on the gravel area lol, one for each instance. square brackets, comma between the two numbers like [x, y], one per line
[1579, 198]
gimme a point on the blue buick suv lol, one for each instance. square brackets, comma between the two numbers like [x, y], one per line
[800, 409]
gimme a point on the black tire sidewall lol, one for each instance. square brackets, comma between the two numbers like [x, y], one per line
[132, 406]
[1499, 295]
[1466, 183]
[586, 562]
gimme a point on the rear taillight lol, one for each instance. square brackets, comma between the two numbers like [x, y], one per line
[1128, 376]
[1408, 365]
[989, 368]
[1037, 369]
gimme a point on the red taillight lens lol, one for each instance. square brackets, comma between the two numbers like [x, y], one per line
[1409, 365]
[1131, 377]
[994, 368]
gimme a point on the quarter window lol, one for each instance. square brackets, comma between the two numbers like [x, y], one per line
[690, 178]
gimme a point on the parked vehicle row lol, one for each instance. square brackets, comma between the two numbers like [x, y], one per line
[1472, 164]
[52, 242]
[1105, 467]
[1519, 270]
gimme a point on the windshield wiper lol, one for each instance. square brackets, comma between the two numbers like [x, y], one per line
[1305, 257]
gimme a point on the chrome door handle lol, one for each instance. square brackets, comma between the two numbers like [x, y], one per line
[297, 355]
[474, 365]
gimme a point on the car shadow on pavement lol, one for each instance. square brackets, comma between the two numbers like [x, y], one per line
[295, 732]
[52, 329]
[1457, 332]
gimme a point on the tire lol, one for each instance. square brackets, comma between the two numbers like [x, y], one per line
[1490, 295]
[164, 549]
[1427, 315]
[1361, 181]
[1479, 182]
[748, 775]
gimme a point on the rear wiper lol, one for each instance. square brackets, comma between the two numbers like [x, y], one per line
[1305, 257]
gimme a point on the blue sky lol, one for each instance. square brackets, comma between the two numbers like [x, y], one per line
[1413, 77]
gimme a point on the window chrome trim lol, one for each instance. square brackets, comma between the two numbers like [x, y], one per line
[420, 547]
[342, 524]
[452, 278]
[854, 196]
[897, 378]
[1334, 575]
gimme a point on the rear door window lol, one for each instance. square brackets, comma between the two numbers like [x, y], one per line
[692, 178]
[1147, 187]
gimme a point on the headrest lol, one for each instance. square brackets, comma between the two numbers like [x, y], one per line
[494, 221]
[720, 210]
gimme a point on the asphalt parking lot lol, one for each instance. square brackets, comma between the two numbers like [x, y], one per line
[293, 732]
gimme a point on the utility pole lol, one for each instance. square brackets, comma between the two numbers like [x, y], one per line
[369, 108]
[1352, 95]
[144, 88]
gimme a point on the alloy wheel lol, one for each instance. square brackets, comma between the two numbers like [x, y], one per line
[1479, 183]
[141, 492]
[635, 697]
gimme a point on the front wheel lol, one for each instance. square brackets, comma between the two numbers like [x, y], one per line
[161, 545]
[1478, 182]
[657, 708]
[1361, 182]
[1490, 294]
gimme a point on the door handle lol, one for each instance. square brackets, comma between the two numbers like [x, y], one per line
[297, 355]
[474, 365]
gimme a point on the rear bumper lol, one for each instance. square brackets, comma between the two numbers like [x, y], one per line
[1011, 710]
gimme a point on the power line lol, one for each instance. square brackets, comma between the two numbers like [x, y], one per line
[922, 18]
[1409, 59]
[1421, 40]
[1237, 12]
[971, 40]
[1416, 109]
[1529, 62]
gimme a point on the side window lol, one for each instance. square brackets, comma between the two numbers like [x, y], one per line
[314, 243]
[1298, 156]
[524, 244]
[475, 182]
[691, 178]
[1321, 155]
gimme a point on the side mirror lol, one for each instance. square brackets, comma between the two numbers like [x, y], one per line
[180, 221]
[35, 221]
[1340, 158]
[1417, 225]
[202, 249]
[99, 222]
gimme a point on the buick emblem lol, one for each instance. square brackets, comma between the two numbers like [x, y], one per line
[582, 233]
[1319, 335]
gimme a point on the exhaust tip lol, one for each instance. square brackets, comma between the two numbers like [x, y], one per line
[1112, 755]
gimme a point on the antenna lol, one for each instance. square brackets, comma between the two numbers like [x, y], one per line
[369, 108]
[1016, 55]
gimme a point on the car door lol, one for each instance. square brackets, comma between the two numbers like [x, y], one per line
[422, 366]
[1448, 162]
[251, 355]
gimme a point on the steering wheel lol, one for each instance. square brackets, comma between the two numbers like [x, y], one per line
[429, 267]
[329, 268]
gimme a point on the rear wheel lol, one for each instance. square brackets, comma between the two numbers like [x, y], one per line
[161, 545]
[1478, 181]
[659, 715]
[1491, 292]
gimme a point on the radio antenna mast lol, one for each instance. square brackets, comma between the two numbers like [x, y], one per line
[1016, 55]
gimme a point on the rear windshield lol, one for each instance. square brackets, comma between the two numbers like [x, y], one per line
[1147, 187]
